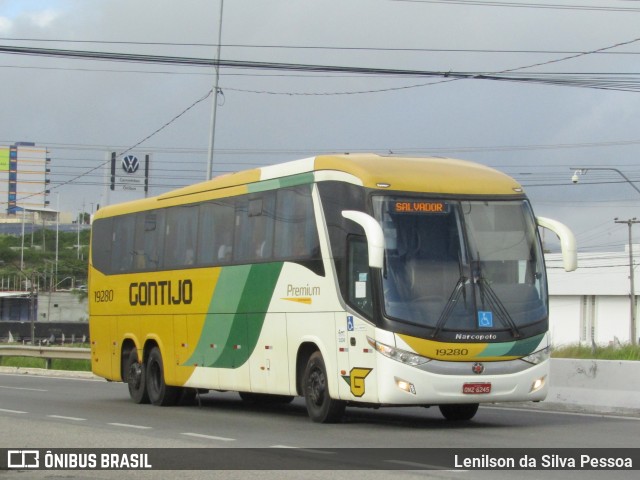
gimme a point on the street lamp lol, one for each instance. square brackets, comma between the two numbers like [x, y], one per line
[632, 295]
[583, 171]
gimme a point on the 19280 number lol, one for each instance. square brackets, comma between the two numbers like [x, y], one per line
[443, 352]
[102, 296]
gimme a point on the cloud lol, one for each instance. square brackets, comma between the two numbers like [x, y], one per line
[43, 18]
[25, 13]
[5, 25]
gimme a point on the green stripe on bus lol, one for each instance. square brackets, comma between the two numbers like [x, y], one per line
[290, 181]
[238, 309]
[526, 346]
[519, 348]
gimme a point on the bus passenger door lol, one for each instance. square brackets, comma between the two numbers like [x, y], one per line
[355, 359]
[361, 358]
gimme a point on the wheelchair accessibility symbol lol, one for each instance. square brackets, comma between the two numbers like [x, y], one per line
[485, 319]
[350, 323]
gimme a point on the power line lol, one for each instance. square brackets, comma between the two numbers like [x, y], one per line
[545, 6]
[631, 82]
[301, 67]
[316, 47]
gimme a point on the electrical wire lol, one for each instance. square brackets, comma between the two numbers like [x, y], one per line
[630, 82]
[545, 6]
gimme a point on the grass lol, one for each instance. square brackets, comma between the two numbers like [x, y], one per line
[56, 364]
[622, 352]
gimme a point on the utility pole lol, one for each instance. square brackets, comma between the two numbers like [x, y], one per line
[632, 294]
[212, 133]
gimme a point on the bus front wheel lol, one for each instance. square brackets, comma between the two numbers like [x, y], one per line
[160, 393]
[320, 406]
[136, 379]
[459, 412]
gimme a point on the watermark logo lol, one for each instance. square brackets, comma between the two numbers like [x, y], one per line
[23, 459]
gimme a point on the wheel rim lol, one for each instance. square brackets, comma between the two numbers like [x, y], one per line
[135, 375]
[154, 374]
[316, 387]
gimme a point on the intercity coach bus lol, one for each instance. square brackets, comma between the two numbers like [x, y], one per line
[346, 279]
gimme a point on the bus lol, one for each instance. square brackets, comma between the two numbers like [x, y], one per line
[349, 280]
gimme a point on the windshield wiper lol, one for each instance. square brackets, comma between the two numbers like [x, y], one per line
[451, 304]
[487, 293]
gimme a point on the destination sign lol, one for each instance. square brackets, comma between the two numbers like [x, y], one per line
[420, 207]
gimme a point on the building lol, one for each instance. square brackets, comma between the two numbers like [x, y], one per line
[24, 177]
[591, 305]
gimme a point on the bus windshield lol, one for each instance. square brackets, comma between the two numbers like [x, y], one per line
[452, 266]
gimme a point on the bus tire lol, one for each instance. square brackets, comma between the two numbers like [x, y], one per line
[160, 393]
[136, 378]
[459, 412]
[320, 406]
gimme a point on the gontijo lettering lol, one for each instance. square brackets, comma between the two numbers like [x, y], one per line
[164, 292]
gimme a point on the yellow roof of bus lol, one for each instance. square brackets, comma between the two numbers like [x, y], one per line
[411, 174]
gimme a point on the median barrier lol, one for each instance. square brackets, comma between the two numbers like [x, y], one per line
[611, 386]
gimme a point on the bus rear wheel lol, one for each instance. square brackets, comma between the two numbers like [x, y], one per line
[459, 412]
[134, 375]
[159, 392]
[320, 406]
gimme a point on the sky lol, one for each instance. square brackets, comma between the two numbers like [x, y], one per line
[538, 133]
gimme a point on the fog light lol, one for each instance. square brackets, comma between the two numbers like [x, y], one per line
[538, 384]
[404, 385]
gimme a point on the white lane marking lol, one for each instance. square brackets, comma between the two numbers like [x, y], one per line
[62, 417]
[10, 411]
[209, 437]
[128, 425]
[310, 450]
[25, 388]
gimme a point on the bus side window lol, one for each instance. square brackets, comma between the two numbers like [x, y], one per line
[215, 232]
[207, 230]
[148, 245]
[296, 236]
[254, 228]
[181, 236]
[359, 276]
[102, 242]
[122, 252]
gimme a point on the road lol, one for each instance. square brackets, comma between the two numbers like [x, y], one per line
[61, 412]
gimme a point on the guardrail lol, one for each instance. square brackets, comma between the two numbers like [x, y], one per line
[48, 353]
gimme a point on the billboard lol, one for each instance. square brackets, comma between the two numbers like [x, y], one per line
[129, 172]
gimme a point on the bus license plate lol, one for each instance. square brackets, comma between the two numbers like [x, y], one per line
[475, 388]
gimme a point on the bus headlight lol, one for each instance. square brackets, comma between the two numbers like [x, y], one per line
[401, 356]
[538, 357]
[537, 384]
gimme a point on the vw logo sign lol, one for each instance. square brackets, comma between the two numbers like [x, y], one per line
[130, 164]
